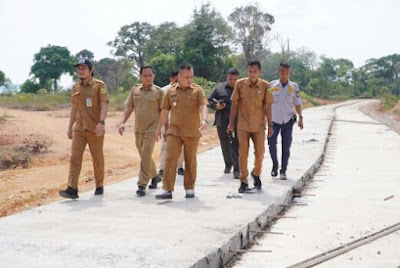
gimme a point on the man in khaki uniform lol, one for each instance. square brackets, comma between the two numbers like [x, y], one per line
[251, 101]
[145, 99]
[184, 100]
[89, 99]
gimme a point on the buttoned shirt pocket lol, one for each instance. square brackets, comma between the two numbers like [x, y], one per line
[289, 97]
[175, 109]
[259, 95]
[136, 99]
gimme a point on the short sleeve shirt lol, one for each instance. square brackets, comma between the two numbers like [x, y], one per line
[146, 104]
[88, 98]
[184, 104]
[252, 100]
[285, 99]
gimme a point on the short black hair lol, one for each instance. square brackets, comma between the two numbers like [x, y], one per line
[233, 71]
[146, 67]
[284, 64]
[174, 73]
[254, 63]
[185, 66]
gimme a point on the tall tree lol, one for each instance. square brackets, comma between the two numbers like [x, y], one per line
[131, 42]
[85, 54]
[50, 63]
[166, 38]
[2, 78]
[206, 43]
[251, 27]
[117, 74]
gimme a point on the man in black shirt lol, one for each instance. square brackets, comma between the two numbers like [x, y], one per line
[220, 100]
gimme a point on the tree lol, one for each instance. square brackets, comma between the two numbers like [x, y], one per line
[163, 64]
[251, 27]
[2, 78]
[166, 38]
[117, 74]
[30, 86]
[206, 44]
[131, 42]
[50, 63]
[85, 54]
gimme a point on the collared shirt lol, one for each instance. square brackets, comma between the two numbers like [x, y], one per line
[146, 104]
[222, 92]
[285, 99]
[184, 104]
[88, 98]
[252, 100]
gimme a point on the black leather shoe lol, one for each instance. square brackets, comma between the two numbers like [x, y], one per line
[154, 182]
[274, 171]
[167, 195]
[257, 181]
[70, 193]
[243, 187]
[99, 191]
[236, 174]
[141, 191]
[227, 170]
[181, 171]
[283, 175]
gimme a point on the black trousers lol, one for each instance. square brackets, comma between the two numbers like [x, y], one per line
[230, 151]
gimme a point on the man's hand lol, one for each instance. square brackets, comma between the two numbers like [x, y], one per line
[158, 134]
[99, 129]
[270, 131]
[203, 125]
[69, 133]
[301, 123]
[221, 106]
[230, 128]
[121, 129]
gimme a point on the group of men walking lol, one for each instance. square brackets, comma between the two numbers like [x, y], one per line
[177, 115]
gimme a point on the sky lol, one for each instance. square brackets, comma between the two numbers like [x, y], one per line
[357, 30]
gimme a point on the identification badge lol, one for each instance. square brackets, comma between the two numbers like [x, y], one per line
[174, 103]
[88, 102]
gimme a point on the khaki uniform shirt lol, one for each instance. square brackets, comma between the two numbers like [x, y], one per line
[88, 98]
[146, 104]
[252, 99]
[184, 104]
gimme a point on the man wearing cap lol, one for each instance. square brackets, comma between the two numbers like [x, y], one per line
[145, 99]
[185, 100]
[220, 100]
[286, 99]
[251, 102]
[173, 79]
[89, 99]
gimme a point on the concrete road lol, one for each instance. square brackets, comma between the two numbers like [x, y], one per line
[361, 170]
[122, 230]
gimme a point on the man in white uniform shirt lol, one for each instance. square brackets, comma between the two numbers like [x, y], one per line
[286, 99]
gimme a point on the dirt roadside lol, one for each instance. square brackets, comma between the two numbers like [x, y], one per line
[24, 188]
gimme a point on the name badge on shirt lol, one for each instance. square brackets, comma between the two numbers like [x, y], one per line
[88, 102]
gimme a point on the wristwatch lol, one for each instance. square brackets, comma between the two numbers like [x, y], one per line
[102, 122]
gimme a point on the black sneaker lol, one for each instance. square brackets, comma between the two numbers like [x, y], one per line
[70, 193]
[274, 171]
[283, 175]
[227, 170]
[243, 187]
[161, 173]
[257, 181]
[99, 191]
[166, 195]
[236, 174]
[141, 191]
[181, 171]
[154, 182]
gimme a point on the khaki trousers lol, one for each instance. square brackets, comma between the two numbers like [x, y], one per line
[145, 144]
[174, 145]
[258, 139]
[163, 153]
[79, 140]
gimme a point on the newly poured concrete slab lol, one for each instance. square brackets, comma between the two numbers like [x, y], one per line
[122, 230]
